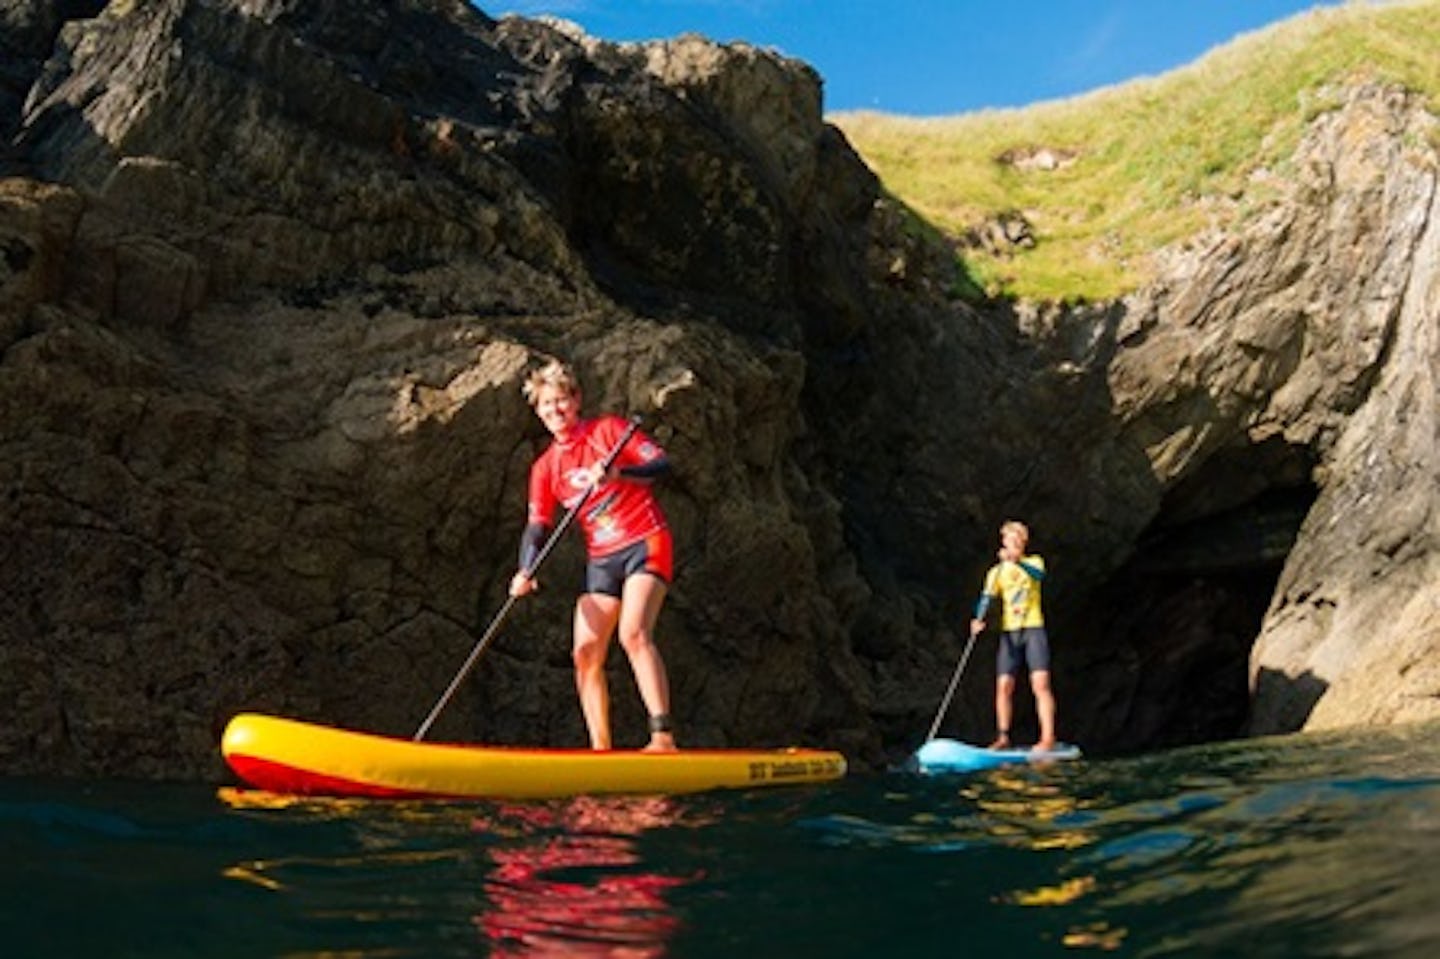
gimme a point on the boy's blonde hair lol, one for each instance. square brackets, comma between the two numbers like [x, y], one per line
[1015, 526]
[553, 373]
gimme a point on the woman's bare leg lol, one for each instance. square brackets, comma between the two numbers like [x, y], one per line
[595, 618]
[644, 595]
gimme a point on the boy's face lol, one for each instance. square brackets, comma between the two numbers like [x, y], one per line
[1012, 543]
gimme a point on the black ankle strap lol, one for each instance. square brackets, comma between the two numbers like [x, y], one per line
[661, 724]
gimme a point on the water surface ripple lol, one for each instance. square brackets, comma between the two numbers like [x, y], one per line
[1318, 845]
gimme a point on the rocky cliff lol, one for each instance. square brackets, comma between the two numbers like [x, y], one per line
[270, 273]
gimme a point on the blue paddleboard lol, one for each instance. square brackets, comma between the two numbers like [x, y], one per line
[953, 756]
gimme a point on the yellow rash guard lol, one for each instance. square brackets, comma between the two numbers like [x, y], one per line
[1017, 586]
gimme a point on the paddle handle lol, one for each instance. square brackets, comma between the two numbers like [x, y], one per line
[465, 669]
[949, 693]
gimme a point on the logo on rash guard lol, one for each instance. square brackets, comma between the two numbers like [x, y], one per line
[605, 531]
[602, 522]
[1019, 600]
[577, 479]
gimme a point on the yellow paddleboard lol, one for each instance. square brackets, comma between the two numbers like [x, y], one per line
[299, 758]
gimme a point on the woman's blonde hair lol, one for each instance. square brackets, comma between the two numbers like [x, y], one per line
[553, 373]
[1017, 527]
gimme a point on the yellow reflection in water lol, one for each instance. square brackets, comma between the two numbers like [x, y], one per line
[1097, 935]
[245, 873]
[263, 872]
[1022, 811]
[244, 799]
[1066, 892]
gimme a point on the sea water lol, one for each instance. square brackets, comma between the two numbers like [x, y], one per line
[1313, 845]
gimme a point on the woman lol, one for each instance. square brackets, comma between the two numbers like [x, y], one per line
[627, 541]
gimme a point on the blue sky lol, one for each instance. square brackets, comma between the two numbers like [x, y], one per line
[937, 57]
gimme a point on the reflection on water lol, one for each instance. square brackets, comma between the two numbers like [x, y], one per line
[576, 884]
[1034, 811]
[562, 877]
[1258, 848]
[1023, 809]
[1303, 846]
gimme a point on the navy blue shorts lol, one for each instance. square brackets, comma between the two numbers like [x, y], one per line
[1023, 648]
[653, 554]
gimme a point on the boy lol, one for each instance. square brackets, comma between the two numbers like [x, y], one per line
[1015, 582]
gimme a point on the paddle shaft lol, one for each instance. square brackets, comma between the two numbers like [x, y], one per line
[545, 551]
[954, 681]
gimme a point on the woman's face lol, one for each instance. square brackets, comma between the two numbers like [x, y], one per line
[558, 408]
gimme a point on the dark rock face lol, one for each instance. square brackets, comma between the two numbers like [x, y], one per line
[263, 335]
[270, 274]
[27, 34]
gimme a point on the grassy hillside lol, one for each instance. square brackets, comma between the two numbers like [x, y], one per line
[1147, 162]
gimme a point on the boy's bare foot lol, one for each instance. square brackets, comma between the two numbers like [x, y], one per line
[661, 743]
[1002, 741]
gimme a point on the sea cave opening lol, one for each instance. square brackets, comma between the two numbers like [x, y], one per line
[1169, 634]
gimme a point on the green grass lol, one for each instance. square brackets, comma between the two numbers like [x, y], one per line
[1156, 160]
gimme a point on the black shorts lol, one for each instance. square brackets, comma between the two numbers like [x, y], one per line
[1023, 648]
[653, 554]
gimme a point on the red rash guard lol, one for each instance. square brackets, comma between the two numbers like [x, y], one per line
[617, 514]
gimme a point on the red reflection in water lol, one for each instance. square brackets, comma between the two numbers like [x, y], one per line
[581, 888]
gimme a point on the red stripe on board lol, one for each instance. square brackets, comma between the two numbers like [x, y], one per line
[279, 778]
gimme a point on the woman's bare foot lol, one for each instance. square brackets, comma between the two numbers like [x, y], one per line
[1044, 746]
[1002, 741]
[661, 743]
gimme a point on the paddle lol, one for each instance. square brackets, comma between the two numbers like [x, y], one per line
[545, 550]
[954, 681]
